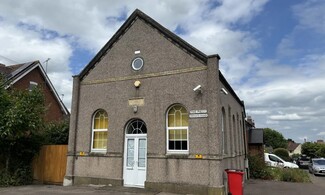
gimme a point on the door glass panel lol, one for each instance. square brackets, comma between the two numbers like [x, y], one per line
[130, 153]
[142, 153]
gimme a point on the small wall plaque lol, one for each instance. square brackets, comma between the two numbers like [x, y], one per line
[136, 102]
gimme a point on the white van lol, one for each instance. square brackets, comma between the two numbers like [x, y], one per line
[275, 161]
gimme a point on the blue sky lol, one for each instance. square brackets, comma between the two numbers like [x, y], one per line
[272, 51]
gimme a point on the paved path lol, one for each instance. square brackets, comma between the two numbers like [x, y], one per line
[252, 187]
[83, 190]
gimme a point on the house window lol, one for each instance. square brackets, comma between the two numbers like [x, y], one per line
[99, 131]
[177, 130]
[32, 85]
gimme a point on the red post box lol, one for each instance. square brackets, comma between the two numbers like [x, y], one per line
[235, 182]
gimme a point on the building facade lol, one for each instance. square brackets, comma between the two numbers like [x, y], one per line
[31, 74]
[152, 111]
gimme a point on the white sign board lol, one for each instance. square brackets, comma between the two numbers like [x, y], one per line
[198, 111]
[198, 114]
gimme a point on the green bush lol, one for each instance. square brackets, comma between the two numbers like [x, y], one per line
[21, 176]
[282, 153]
[258, 168]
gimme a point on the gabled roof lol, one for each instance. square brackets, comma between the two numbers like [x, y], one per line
[14, 73]
[137, 14]
[292, 146]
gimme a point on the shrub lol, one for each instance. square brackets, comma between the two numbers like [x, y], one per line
[282, 153]
[258, 168]
[21, 176]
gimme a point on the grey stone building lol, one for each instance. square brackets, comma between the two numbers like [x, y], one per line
[150, 110]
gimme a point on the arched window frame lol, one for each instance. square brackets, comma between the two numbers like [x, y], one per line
[235, 132]
[177, 128]
[224, 131]
[105, 129]
[139, 128]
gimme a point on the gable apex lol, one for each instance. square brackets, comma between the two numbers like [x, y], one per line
[137, 14]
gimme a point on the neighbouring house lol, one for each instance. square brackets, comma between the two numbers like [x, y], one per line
[320, 141]
[293, 147]
[150, 110]
[255, 142]
[26, 76]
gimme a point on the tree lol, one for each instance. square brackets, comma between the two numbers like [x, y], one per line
[21, 123]
[321, 151]
[282, 153]
[313, 149]
[274, 139]
[57, 132]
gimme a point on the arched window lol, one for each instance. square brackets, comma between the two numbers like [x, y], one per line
[235, 134]
[136, 126]
[224, 133]
[177, 129]
[99, 131]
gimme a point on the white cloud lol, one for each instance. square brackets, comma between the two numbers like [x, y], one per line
[258, 112]
[286, 117]
[24, 45]
[311, 15]
[271, 122]
[321, 133]
[241, 11]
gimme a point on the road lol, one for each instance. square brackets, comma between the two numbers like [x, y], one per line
[265, 187]
[318, 181]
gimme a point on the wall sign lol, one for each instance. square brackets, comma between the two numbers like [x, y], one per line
[136, 102]
[198, 114]
[198, 111]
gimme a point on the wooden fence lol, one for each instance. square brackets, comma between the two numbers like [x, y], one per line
[50, 165]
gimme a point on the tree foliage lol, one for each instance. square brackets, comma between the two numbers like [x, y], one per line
[57, 132]
[282, 153]
[21, 123]
[274, 139]
[313, 149]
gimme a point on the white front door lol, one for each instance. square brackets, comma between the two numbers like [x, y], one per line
[135, 160]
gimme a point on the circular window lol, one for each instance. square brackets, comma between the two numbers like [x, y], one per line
[137, 63]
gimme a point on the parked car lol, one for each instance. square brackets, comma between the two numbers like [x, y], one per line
[275, 161]
[317, 166]
[303, 161]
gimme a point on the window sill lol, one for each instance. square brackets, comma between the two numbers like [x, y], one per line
[177, 155]
[97, 153]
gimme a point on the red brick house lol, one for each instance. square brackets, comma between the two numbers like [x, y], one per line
[28, 75]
